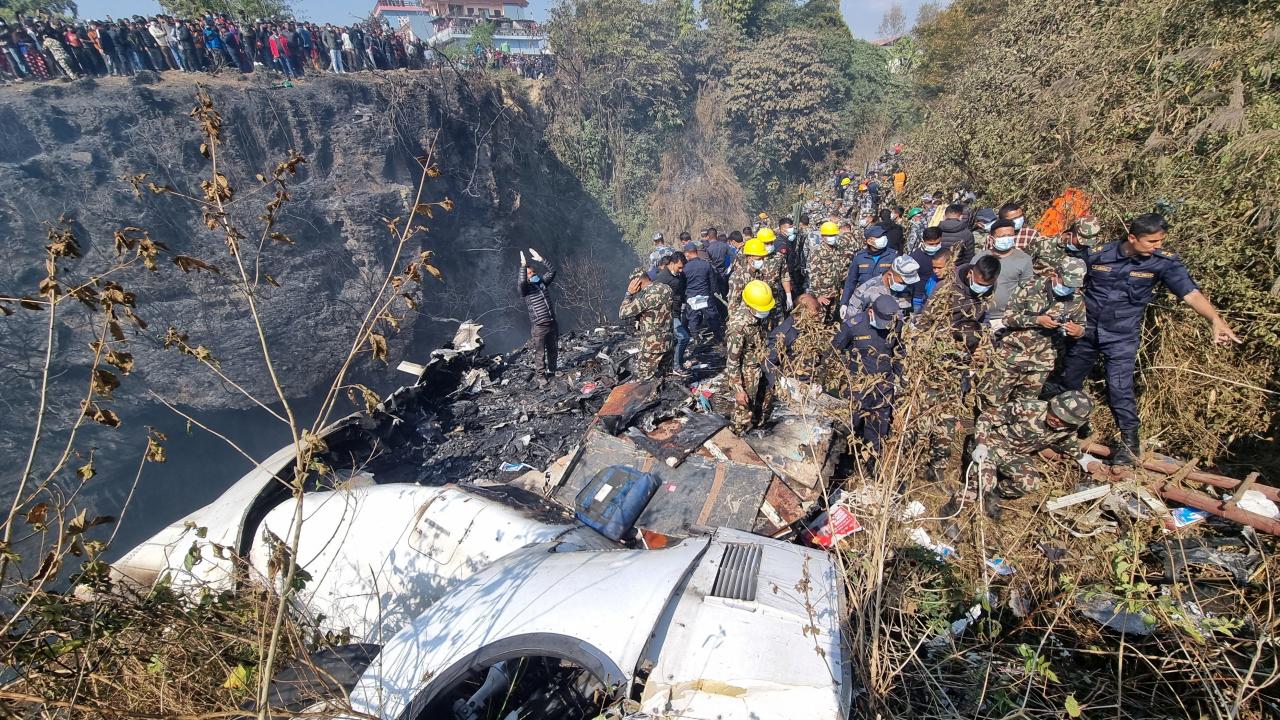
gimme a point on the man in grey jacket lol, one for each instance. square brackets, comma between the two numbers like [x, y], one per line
[545, 333]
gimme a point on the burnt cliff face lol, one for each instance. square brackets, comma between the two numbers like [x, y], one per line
[64, 148]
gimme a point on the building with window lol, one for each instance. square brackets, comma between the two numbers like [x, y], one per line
[443, 22]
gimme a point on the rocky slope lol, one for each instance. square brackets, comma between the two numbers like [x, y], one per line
[64, 148]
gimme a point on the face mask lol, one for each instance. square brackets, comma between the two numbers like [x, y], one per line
[1062, 290]
[757, 264]
[761, 314]
[986, 227]
[879, 243]
[769, 248]
[897, 287]
[830, 240]
[535, 279]
[791, 233]
[978, 288]
[873, 322]
[931, 249]
[1018, 221]
[1003, 244]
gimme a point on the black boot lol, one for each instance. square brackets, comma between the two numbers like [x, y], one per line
[1129, 450]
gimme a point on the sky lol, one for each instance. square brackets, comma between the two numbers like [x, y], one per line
[863, 16]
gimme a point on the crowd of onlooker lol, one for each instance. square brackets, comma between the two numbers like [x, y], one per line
[33, 49]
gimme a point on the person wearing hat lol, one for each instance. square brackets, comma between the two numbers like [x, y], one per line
[872, 261]
[982, 222]
[1044, 314]
[899, 283]
[1075, 241]
[649, 304]
[871, 349]
[1009, 438]
[827, 267]
[745, 355]
[917, 221]
[758, 261]
[660, 250]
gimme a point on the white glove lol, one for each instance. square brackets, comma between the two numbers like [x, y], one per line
[791, 303]
[1085, 460]
[534, 254]
[980, 453]
[844, 309]
[523, 262]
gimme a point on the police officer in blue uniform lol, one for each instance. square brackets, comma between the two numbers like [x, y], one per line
[873, 260]
[871, 346]
[1121, 282]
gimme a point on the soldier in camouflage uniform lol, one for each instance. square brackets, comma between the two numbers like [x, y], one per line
[1076, 242]
[1043, 313]
[1009, 438]
[650, 304]
[772, 271]
[828, 266]
[745, 355]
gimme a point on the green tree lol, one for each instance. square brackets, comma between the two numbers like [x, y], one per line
[481, 36]
[11, 8]
[242, 10]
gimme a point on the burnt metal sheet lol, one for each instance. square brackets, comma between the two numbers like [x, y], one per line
[624, 403]
[797, 448]
[674, 440]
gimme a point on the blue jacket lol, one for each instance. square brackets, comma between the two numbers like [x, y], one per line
[700, 278]
[1117, 289]
[865, 266]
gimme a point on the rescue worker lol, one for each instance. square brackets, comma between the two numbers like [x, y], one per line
[957, 309]
[701, 286]
[1010, 437]
[828, 267]
[757, 261]
[544, 331]
[1074, 242]
[1015, 268]
[1044, 312]
[982, 222]
[649, 304]
[745, 355]
[660, 250]
[898, 283]
[1122, 280]
[789, 244]
[873, 260]
[871, 347]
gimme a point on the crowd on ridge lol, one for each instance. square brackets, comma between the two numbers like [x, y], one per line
[1023, 312]
[41, 49]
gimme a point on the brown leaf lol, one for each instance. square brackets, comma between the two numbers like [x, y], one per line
[30, 303]
[116, 332]
[38, 514]
[378, 343]
[80, 523]
[155, 451]
[271, 280]
[435, 271]
[86, 471]
[187, 264]
[101, 415]
[103, 382]
[121, 360]
[48, 567]
[281, 237]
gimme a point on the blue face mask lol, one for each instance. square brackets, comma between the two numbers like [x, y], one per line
[769, 248]
[1063, 290]
[1003, 244]
[897, 287]
[757, 264]
[931, 249]
[979, 288]
[791, 233]
[762, 314]
[1018, 221]
[535, 279]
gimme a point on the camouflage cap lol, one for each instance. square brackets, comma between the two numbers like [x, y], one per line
[1071, 407]
[1087, 228]
[1071, 271]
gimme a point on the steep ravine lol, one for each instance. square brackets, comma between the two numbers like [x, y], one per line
[64, 148]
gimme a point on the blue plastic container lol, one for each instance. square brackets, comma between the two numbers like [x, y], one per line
[612, 501]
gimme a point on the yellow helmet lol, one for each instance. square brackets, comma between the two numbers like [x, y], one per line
[765, 235]
[845, 182]
[758, 296]
[829, 228]
[755, 246]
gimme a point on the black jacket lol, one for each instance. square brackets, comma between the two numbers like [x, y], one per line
[958, 238]
[536, 296]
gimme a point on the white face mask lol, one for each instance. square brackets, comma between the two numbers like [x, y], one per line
[761, 314]
[1018, 221]
[829, 239]
[757, 264]
[879, 243]
[873, 322]
[931, 249]
[1003, 244]
[769, 248]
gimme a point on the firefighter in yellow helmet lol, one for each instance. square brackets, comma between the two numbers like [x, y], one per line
[758, 261]
[745, 355]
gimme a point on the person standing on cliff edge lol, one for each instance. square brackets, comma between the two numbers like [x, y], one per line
[544, 333]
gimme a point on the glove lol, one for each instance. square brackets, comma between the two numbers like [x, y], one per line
[844, 310]
[523, 262]
[791, 303]
[1085, 460]
[534, 254]
[980, 453]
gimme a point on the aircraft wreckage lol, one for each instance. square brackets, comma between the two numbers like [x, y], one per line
[497, 550]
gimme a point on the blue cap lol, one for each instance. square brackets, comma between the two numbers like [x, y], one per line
[691, 247]
[875, 231]
[986, 215]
